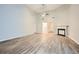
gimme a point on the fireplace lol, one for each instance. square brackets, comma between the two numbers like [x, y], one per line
[62, 30]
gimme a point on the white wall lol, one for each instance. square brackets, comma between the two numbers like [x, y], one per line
[38, 24]
[15, 21]
[74, 22]
[61, 18]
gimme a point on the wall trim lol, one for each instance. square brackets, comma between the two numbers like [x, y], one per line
[10, 38]
[74, 40]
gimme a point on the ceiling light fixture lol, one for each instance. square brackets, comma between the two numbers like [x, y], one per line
[44, 11]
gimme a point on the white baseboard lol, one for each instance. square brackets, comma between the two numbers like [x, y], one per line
[10, 38]
[74, 40]
[14, 37]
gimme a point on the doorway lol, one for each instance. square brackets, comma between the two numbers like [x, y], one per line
[47, 27]
[44, 27]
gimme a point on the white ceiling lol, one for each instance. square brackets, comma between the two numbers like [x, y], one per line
[38, 8]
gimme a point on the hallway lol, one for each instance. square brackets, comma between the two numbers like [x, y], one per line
[49, 43]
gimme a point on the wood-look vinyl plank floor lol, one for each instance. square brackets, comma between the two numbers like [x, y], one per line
[49, 43]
